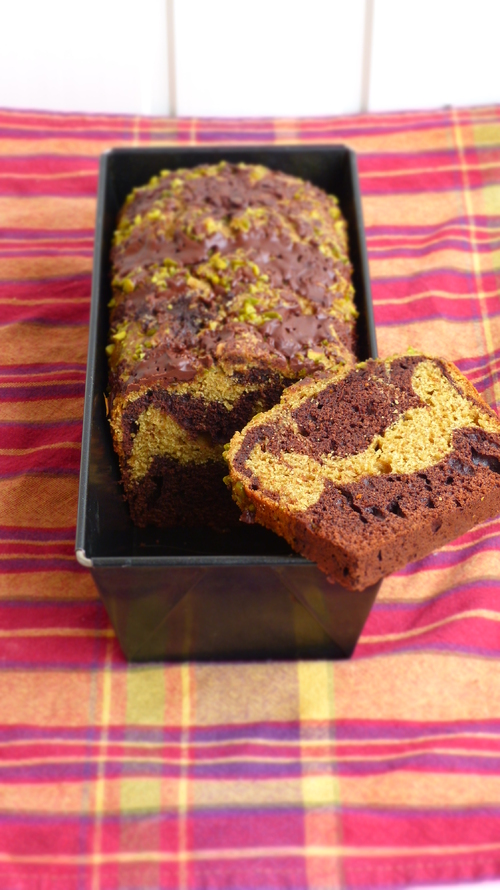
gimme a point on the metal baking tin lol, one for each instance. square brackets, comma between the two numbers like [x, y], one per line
[194, 594]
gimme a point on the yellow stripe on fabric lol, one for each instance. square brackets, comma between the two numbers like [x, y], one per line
[442, 261]
[421, 295]
[29, 383]
[416, 171]
[37, 268]
[47, 213]
[56, 632]
[151, 697]
[426, 628]
[425, 586]
[406, 141]
[48, 542]
[316, 704]
[451, 228]
[476, 258]
[481, 134]
[56, 375]
[320, 789]
[66, 174]
[444, 687]
[145, 696]
[239, 854]
[315, 690]
[24, 242]
[47, 586]
[42, 411]
[41, 501]
[100, 786]
[420, 242]
[73, 301]
[140, 795]
[27, 343]
[53, 446]
[491, 199]
[184, 779]
[443, 233]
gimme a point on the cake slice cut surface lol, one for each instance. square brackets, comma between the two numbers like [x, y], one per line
[372, 468]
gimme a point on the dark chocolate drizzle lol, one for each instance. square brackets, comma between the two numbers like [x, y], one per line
[294, 269]
[294, 333]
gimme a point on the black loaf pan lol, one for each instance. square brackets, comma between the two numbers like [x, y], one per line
[182, 594]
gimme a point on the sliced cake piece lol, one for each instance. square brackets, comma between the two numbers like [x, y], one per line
[372, 468]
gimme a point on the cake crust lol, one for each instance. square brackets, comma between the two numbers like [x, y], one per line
[373, 469]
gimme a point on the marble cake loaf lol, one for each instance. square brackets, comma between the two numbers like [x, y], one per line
[230, 282]
[373, 468]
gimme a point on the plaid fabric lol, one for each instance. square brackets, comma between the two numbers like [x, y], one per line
[379, 772]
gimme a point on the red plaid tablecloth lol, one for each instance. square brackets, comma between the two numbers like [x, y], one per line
[383, 771]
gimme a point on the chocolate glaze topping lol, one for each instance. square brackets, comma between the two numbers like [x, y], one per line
[233, 255]
[294, 331]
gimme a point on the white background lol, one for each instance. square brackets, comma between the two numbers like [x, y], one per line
[254, 58]
[248, 57]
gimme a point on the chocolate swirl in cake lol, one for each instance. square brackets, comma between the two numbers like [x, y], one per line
[373, 468]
